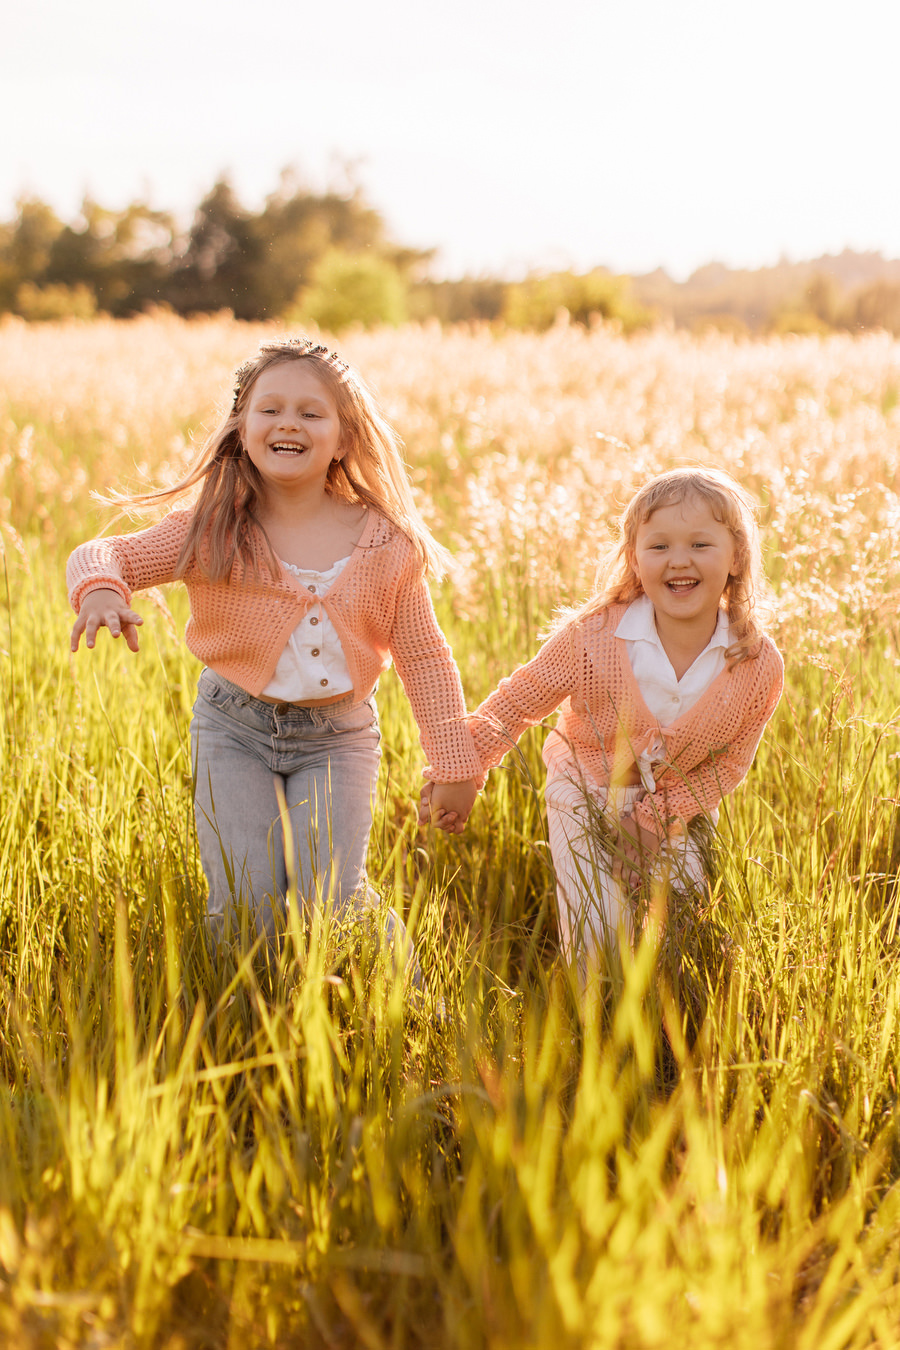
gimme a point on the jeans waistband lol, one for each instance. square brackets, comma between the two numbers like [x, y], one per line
[304, 711]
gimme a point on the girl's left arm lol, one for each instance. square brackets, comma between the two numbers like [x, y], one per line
[430, 677]
[699, 790]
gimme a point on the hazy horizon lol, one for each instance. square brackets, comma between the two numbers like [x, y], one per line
[593, 135]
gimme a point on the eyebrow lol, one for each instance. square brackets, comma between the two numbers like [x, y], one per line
[705, 531]
[286, 398]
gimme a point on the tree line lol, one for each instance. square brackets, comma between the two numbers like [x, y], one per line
[326, 258]
[258, 264]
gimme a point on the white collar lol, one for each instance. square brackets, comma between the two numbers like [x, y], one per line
[638, 624]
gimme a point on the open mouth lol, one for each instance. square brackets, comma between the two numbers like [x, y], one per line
[287, 448]
[683, 585]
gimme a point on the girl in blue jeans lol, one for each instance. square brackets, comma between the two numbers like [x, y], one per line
[305, 561]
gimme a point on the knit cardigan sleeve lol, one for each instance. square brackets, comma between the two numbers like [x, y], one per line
[127, 562]
[682, 794]
[431, 680]
[525, 697]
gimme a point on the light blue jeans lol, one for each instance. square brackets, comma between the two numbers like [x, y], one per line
[325, 763]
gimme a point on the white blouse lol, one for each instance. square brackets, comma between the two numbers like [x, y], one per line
[312, 664]
[665, 695]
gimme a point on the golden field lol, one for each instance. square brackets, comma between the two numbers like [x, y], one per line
[296, 1156]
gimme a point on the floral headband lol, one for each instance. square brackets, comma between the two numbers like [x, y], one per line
[294, 346]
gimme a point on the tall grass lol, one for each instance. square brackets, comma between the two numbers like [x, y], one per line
[299, 1151]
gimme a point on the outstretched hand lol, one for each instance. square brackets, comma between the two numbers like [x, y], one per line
[105, 609]
[447, 805]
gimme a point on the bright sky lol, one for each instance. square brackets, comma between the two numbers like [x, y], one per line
[509, 133]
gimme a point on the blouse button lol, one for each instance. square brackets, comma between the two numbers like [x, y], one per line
[323, 682]
[314, 620]
[315, 651]
[311, 588]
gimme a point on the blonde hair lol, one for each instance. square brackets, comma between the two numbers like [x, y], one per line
[370, 471]
[746, 593]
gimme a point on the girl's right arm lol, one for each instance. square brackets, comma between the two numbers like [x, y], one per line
[526, 697]
[102, 574]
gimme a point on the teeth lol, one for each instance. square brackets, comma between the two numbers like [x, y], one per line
[685, 585]
[288, 445]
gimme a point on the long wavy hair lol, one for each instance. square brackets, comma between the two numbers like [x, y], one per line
[371, 470]
[745, 598]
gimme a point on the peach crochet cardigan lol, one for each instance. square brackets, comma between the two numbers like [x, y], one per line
[379, 605]
[604, 723]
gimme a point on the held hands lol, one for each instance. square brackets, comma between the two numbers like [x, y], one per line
[105, 609]
[637, 848]
[447, 805]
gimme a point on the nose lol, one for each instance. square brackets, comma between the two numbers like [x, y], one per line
[290, 422]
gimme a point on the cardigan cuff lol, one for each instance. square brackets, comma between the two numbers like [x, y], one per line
[77, 594]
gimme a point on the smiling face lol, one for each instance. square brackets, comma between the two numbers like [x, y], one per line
[683, 558]
[291, 430]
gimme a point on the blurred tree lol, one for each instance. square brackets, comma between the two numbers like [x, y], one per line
[875, 306]
[470, 299]
[824, 298]
[537, 301]
[219, 268]
[352, 288]
[124, 257]
[37, 303]
[25, 247]
[798, 320]
[255, 265]
[298, 227]
[817, 309]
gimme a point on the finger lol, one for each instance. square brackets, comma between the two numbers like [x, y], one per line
[91, 625]
[121, 622]
[129, 632]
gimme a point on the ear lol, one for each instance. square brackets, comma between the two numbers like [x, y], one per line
[738, 558]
